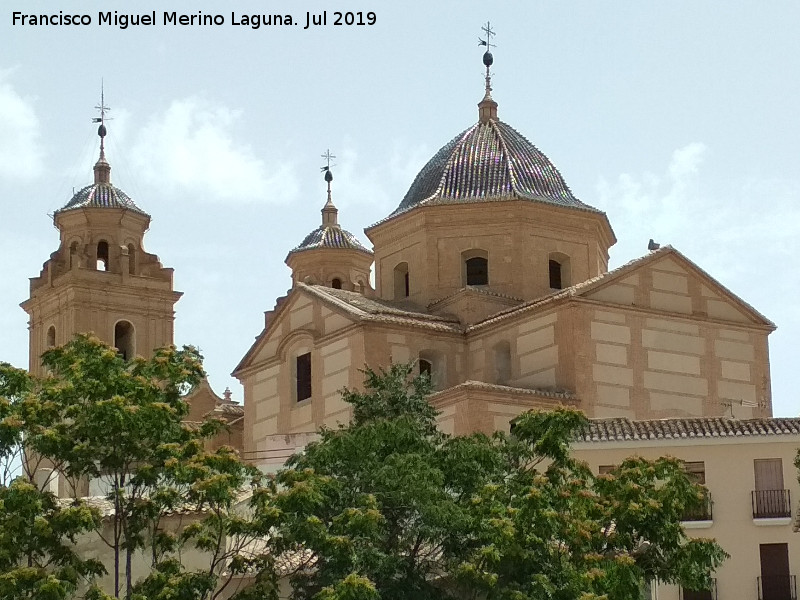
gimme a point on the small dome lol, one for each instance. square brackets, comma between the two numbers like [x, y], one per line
[330, 236]
[102, 195]
[489, 161]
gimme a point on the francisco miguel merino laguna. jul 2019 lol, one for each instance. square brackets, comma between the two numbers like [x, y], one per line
[256, 21]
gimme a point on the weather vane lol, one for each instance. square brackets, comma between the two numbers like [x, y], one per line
[101, 107]
[327, 167]
[327, 156]
[101, 131]
[487, 29]
[488, 59]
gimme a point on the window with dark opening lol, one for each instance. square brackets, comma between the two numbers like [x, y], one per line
[477, 271]
[425, 367]
[51, 337]
[303, 367]
[710, 594]
[336, 283]
[401, 281]
[555, 275]
[102, 256]
[125, 339]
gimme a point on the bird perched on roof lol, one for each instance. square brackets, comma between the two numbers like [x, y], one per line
[651, 245]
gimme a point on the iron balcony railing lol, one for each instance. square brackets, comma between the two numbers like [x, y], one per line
[703, 512]
[777, 587]
[771, 504]
[710, 594]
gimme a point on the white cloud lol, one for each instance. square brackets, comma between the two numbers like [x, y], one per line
[191, 146]
[20, 152]
[374, 181]
[730, 227]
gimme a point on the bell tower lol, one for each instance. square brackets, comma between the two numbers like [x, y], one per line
[101, 279]
[330, 255]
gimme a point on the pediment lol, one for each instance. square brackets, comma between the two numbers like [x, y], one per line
[472, 305]
[667, 281]
[295, 313]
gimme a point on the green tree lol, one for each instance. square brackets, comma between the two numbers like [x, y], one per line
[390, 508]
[37, 531]
[97, 417]
[550, 529]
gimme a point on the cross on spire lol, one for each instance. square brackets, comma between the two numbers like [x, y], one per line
[328, 156]
[101, 107]
[329, 211]
[487, 29]
[102, 170]
[487, 108]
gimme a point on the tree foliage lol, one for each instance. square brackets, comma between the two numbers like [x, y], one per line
[96, 417]
[390, 508]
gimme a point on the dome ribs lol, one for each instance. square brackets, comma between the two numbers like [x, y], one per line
[489, 161]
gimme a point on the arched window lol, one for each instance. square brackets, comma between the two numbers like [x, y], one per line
[475, 267]
[102, 256]
[502, 362]
[401, 281]
[558, 266]
[125, 339]
[336, 283]
[432, 363]
[51, 337]
[131, 259]
[425, 367]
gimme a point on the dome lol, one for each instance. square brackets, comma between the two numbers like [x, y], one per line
[101, 195]
[489, 161]
[330, 236]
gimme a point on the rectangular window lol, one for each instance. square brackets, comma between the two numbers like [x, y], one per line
[696, 471]
[605, 469]
[710, 594]
[555, 274]
[303, 370]
[770, 498]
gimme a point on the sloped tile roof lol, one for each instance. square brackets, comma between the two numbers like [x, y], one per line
[623, 429]
[330, 236]
[372, 309]
[101, 195]
[489, 161]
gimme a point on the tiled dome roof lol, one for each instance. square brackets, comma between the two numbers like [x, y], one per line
[330, 236]
[103, 195]
[489, 161]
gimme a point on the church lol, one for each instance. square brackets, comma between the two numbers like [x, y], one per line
[493, 277]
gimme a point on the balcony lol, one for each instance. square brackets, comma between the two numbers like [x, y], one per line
[701, 512]
[778, 587]
[771, 504]
[700, 594]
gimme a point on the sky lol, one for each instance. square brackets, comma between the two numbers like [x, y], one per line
[679, 119]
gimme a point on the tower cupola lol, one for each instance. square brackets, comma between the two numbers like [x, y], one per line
[331, 255]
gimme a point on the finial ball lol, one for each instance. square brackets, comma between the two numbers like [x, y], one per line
[101, 131]
[328, 176]
[488, 59]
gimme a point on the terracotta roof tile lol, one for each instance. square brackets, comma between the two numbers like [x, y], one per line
[622, 429]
